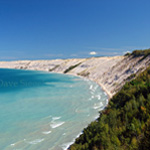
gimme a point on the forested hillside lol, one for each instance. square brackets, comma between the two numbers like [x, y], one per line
[125, 123]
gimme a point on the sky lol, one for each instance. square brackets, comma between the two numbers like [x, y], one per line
[51, 29]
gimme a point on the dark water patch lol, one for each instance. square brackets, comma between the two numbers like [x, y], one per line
[12, 80]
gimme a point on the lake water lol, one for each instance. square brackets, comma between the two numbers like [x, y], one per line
[45, 111]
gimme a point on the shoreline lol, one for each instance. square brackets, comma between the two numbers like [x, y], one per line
[110, 74]
[95, 68]
[67, 145]
[109, 95]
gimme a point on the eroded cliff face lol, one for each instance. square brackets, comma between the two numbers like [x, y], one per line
[125, 70]
[110, 72]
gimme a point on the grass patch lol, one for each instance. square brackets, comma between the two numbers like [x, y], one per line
[71, 67]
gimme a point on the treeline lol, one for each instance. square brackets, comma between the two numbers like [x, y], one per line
[125, 123]
[137, 53]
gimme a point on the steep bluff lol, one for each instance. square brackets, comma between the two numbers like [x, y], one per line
[110, 72]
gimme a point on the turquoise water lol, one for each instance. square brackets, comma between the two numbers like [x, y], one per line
[45, 111]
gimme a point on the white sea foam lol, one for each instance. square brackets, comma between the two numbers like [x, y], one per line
[97, 106]
[96, 117]
[36, 141]
[55, 125]
[78, 135]
[56, 118]
[46, 132]
[99, 97]
[92, 97]
[66, 145]
[56, 121]
[107, 102]
[12, 144]
[91, 87]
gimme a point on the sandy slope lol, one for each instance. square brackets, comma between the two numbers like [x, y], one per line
[110, 72]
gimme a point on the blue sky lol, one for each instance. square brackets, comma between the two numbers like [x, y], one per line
[50, 29]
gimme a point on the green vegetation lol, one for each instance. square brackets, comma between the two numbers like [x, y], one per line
[55, 67]
[125, 123]
[127, 54]
[71, 67]
[84, 73]
[131, 77]
[137, 53]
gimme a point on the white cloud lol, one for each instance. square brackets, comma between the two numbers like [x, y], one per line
[126, 52]
[93, 53]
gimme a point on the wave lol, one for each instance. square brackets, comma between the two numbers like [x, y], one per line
[96, 117]
[13, 144]
[46, 132]
[91, 87]
[36, 141]
[56, 118]
[92, 97]
[107, 102]
[64, 133]
[79, 134]
[65, 146]
[97, 106]
[55, 125]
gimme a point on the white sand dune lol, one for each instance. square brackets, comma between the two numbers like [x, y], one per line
[109, 72]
